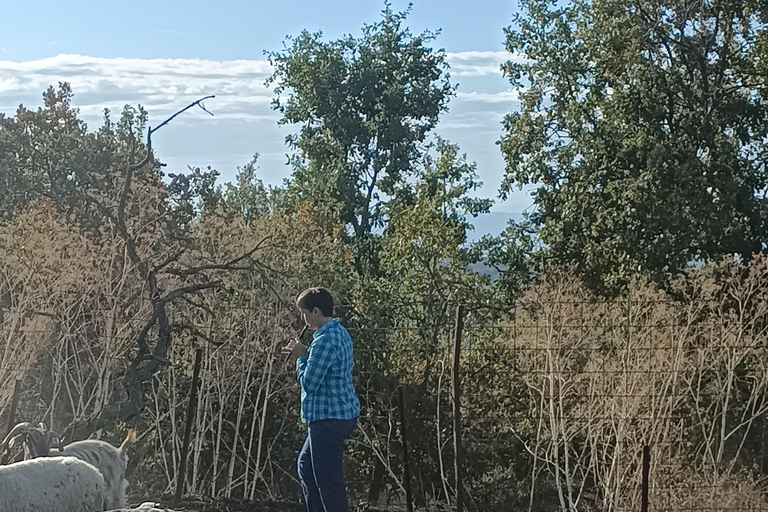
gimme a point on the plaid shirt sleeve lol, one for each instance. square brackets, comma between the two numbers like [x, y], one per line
[312, 367]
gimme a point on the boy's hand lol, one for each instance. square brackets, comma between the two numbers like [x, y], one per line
[294, 350]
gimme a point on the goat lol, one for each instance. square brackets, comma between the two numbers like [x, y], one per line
[55, 484]
[110, 461]
[145, 507]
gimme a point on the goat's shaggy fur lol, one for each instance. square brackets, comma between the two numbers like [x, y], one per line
[55, 484]
[145, 507]
[109, 460]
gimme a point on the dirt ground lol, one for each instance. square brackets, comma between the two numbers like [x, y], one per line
[197, 505]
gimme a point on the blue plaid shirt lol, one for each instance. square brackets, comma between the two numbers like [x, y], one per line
[325, 374]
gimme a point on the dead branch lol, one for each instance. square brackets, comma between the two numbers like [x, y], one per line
[199, 103]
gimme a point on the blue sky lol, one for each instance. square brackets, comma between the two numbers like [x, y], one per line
[165, 54]
[226, 29]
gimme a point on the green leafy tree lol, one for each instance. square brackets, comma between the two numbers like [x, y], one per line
[247, 197]
[425, 257]
[365, 106]
[515, 256]
[406, 312]
[644, 123]
[48, 152]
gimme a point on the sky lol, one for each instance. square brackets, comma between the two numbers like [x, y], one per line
[164, 54]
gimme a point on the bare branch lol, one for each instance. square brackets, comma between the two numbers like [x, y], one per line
[230, 265]
[199, 103]
[188, 289]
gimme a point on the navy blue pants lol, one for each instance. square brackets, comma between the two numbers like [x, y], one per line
[322, 479]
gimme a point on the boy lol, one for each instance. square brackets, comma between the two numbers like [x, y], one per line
[329, 404]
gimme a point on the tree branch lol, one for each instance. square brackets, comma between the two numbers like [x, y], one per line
[187, 289]
[230, 265]
[199, 103]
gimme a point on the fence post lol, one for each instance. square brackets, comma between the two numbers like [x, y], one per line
[457, 448]
[182, 474]
[646, 471]
[404, 439]
[14, 404]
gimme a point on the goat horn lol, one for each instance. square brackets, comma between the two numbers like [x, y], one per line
[55, 440]
[13, 440]
[5, 453]
[14, 433]
[18, 429]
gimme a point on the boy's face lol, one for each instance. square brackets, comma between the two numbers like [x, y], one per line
[312, 318]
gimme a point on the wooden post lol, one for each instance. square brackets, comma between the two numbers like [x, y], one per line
[14, 405]
[646, 471]
[182, 474]
[404, 439]
[459, 454]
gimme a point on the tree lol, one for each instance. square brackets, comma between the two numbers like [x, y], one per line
[108, 184]
[48, 152]
[515, 256]
[365, 106]
[425, 258]
[405, 311]
[247, 198]
[644, 123]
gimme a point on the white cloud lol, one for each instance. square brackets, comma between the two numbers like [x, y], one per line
[480, 63]
[161, 85]
[496, 97]
[244, 122]
[164, 85]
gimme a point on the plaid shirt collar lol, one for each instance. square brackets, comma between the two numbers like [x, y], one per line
[325, 327]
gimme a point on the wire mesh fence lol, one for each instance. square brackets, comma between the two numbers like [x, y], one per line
[558, 402]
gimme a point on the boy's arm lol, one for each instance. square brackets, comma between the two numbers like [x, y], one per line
[312, 367]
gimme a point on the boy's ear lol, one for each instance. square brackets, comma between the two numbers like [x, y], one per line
[316, 311]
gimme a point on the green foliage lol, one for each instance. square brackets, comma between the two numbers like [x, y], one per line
[644, 125]
[515, 255]
[48, 152]
[365, 106]
[105, 180]
[247, 198]
[424, 256]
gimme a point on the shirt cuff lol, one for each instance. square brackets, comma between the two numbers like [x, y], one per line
[301, 363]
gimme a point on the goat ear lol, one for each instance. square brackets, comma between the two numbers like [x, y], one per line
[37, 444]
[52, 438]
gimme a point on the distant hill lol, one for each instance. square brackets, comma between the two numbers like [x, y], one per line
[491, 224]
[484, 270]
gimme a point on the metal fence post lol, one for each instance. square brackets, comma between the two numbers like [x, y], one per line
[459, 454]
[646, 471]
[182, 474]
[404, 439]
[14, 404]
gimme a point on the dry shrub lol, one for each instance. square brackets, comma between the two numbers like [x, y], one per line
[686, 376]
[70, 317]
[73, 310]
[246, 428]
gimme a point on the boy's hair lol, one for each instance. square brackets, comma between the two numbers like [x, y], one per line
[316, 298]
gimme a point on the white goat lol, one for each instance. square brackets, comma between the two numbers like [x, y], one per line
[55, 484]
[145, 507]
[110, 461]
